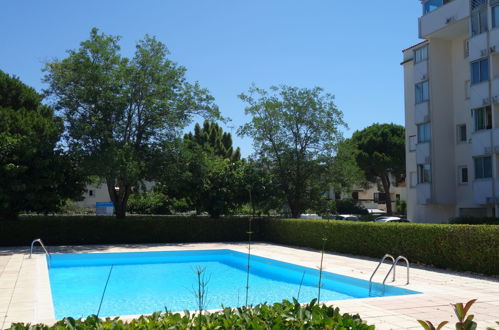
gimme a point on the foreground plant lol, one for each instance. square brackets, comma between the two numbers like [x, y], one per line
[465, 322]
[285, 315]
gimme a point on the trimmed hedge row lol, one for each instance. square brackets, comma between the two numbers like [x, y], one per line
[459, 247]
[467, 220]
[72, 230]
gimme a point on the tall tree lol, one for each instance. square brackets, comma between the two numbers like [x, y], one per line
[295, 131]
[36, 175]
[119, 111]
[380, 153]
[213, 140]
[206, 172]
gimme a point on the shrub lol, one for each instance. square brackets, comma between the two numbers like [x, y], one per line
[458, 247]
[467, 220]
[285, 315]
[349, 206]
[73, 230]
[149, 202]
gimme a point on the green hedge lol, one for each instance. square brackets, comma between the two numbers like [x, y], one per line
[285, 315]
[468, 220]
[71, 230]
[459, 247]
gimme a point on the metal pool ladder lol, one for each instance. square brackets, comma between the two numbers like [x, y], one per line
[38, 240]
[393, 267]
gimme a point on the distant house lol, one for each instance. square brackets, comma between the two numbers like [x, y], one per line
[98, 193]
[371, 198]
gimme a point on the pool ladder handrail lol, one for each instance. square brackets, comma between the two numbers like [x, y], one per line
[377, 267]
[393, 267]
[38, 240]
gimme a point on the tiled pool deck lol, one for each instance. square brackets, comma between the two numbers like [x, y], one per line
[25, 290]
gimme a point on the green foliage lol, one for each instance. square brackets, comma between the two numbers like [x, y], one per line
[380, 152]
[465, 321]
[119, 112]
[60, 230]
[401, 207]
[349, 206]
[443, 246]
[36, 175]
[149, 202]
[212, 140]
[205, 172]
[468, 220]
[285, 315]
[208, 183]
[295, 133]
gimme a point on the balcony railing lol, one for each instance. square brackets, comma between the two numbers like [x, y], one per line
[431, 5]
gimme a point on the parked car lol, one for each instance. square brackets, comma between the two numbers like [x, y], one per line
[387, 218]
[348, 217]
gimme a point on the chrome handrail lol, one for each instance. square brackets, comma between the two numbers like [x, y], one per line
[38, 240]
[375, 270]
[394, 268]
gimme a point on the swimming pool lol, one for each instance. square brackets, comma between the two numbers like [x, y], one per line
[146, 282]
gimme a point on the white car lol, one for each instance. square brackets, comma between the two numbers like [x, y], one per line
[348, 217]
[388, 218]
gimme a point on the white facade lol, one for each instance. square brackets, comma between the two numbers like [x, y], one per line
[451, 86]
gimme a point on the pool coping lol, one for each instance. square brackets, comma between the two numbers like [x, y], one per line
[27, 298]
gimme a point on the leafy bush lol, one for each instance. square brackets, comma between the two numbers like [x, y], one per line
[149, 202]
[285, 315]
[349, 206]
[73, 230]
[459, 247]
[467, 220]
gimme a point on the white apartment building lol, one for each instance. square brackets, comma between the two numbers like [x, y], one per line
[451, 86]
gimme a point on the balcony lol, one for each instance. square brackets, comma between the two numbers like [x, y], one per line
[481, 142]
[482, 191]
[423, 153]
[478, 47]
[421, 113]
[479, 95]
[444, 19]
[423, 192]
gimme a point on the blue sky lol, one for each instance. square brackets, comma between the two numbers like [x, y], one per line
[350, 48]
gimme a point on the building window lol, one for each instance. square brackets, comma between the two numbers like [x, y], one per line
[355, 195]
[461, 133]
[431, 5]
[479, 21]
[91, 193]
[466, 48]
[380, 197]
[422, 92]
[463, 174]
[482, 117]
[412, 143]
[479, 71]
[483, 167]
[495, 16]
[424, 173]
[421, 54]
[424, 133]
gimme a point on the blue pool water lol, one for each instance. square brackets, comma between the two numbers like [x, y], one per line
[145, 282]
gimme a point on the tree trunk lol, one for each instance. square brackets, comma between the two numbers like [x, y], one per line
[385, 181]
[119, 194]
[295, 208]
